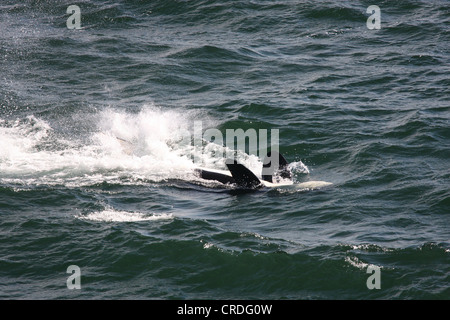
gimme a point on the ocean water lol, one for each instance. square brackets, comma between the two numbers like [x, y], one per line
[365, 109]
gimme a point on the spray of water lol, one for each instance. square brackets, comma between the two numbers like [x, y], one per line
[149, 145]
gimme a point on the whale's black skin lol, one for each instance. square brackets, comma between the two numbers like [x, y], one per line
[217, 176]
[282, 171]
[244, 178]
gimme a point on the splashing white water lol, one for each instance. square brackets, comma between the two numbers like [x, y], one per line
[153, 145]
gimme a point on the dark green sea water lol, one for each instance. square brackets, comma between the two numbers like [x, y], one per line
[365, 109]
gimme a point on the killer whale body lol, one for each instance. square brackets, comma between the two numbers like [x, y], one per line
[240, 176]
[244, 178]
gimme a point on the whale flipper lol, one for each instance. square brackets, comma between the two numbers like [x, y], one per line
[209, 174]
[243, 177]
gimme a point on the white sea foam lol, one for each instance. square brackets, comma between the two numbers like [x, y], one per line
[354, 261]
[123, 216]
[31, 154]
[371, 247]
[298, 167]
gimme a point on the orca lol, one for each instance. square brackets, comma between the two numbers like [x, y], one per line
[243, 177]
